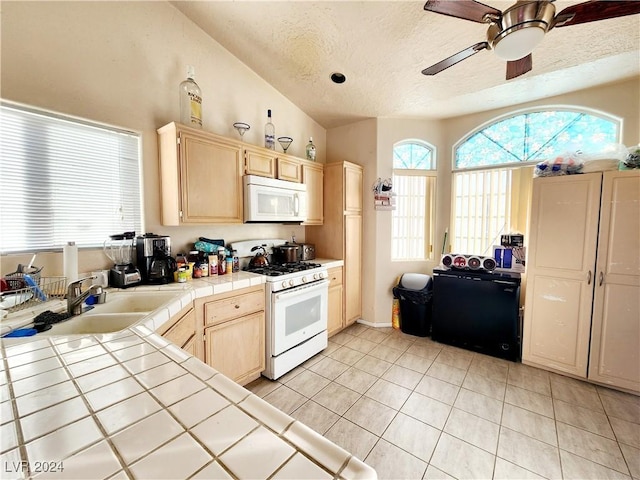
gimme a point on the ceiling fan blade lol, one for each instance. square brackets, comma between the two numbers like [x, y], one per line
[595, 10]
[453, 59]
[515, 68]
[465, 9]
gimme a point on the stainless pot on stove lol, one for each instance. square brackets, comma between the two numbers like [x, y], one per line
[287, 253]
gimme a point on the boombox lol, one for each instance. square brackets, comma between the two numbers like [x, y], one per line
[468, 262]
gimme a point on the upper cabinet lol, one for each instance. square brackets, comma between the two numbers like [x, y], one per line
[312, 177]
[200, 177]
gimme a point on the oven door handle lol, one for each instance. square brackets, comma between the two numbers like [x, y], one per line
[306, 288]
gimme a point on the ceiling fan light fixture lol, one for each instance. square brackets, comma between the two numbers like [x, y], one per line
[518, 43]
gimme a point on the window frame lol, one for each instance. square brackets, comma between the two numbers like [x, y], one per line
[430, 199]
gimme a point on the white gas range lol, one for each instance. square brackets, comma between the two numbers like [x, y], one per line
[296, 308]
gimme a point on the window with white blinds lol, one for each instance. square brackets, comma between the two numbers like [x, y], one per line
[482, 210]
[65, 179]
[411, 225]
[414, 173]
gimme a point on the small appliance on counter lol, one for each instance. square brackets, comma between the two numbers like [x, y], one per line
[119, 249]
[153, 257]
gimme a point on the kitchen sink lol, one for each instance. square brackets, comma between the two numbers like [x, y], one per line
[95, 323]
[131, 303]
[121, 310]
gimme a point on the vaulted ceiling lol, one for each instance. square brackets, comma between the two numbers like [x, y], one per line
[382, 47]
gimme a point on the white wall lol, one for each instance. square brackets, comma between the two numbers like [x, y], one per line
[120, 63]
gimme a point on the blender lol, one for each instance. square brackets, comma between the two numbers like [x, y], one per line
[119, 249]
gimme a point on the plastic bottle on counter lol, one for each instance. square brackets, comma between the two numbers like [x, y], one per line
[229, 262]
[222, 261]
[236, 262]
[193, 259]
[181, 265]
[213, 265]
[204, 264]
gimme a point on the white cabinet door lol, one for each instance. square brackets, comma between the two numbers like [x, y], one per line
[615, 338]
[560, 271]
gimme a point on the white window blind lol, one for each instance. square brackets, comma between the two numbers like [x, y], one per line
[411, 235]
[482, 210]
[65, 179]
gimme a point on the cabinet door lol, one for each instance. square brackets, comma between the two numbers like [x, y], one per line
[236, 348]
[289, 169]
[182, 330]
[560, 271]
[615, 337]
[259, 162]
[190, 346]
[353, 268]
[352, 188]
[335, 311]
[210, 180]
[312, 177]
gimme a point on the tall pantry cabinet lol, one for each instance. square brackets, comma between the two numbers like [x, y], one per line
[582, 307]
[340, 236]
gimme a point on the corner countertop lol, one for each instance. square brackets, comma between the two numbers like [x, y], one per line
[130, 404]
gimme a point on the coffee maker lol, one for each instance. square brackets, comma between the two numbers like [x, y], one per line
[153, 257]
[119, 249]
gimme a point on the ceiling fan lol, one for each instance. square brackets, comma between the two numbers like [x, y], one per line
[514, 33]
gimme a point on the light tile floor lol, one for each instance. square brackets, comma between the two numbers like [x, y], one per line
[414, 408]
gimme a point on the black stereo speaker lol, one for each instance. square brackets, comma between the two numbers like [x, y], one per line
[468, 262]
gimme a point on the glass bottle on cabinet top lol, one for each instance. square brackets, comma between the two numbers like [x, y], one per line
[311, 150]
[269, 133]
[190, 101]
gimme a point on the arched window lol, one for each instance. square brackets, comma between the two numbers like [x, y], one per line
[534, 136]
[414, 163]
[490, 190]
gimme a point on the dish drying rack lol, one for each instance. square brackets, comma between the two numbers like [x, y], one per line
[23, 294]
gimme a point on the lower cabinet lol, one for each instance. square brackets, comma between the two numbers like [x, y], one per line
[233, 326]
[335, 311]
[181, 331]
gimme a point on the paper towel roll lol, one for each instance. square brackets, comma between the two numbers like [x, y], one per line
[70, 261]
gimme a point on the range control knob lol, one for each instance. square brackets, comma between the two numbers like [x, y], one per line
[321, 275]
[284, 284]
[291, 283]
[315, 276]
[304, 279]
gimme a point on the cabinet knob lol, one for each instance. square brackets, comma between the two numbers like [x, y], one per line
[601, 278]
[589, 278]
[237, 306]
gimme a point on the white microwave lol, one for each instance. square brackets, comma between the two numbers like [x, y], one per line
[276, 201]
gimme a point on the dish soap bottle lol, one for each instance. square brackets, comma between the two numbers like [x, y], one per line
[269, 133]
[311, 150]
[190, 101]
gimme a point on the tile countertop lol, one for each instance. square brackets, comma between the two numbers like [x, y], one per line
[130, 404]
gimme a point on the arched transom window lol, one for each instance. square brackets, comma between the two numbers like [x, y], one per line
[535, 136]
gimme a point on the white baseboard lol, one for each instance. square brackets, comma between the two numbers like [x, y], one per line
[372, 324]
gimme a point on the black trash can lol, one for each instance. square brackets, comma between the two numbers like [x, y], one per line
[415, 295]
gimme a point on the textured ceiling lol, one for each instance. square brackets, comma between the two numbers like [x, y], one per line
[382, 46]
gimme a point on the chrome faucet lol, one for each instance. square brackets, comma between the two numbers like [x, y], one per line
[75, 296]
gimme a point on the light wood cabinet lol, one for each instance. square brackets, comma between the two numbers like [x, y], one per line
[335, 308]
[181, 331]
[233, 326]
[200, 177]
[289, 169]
[340, 236]
[259, 161]
[582, 315]
[312, 177]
